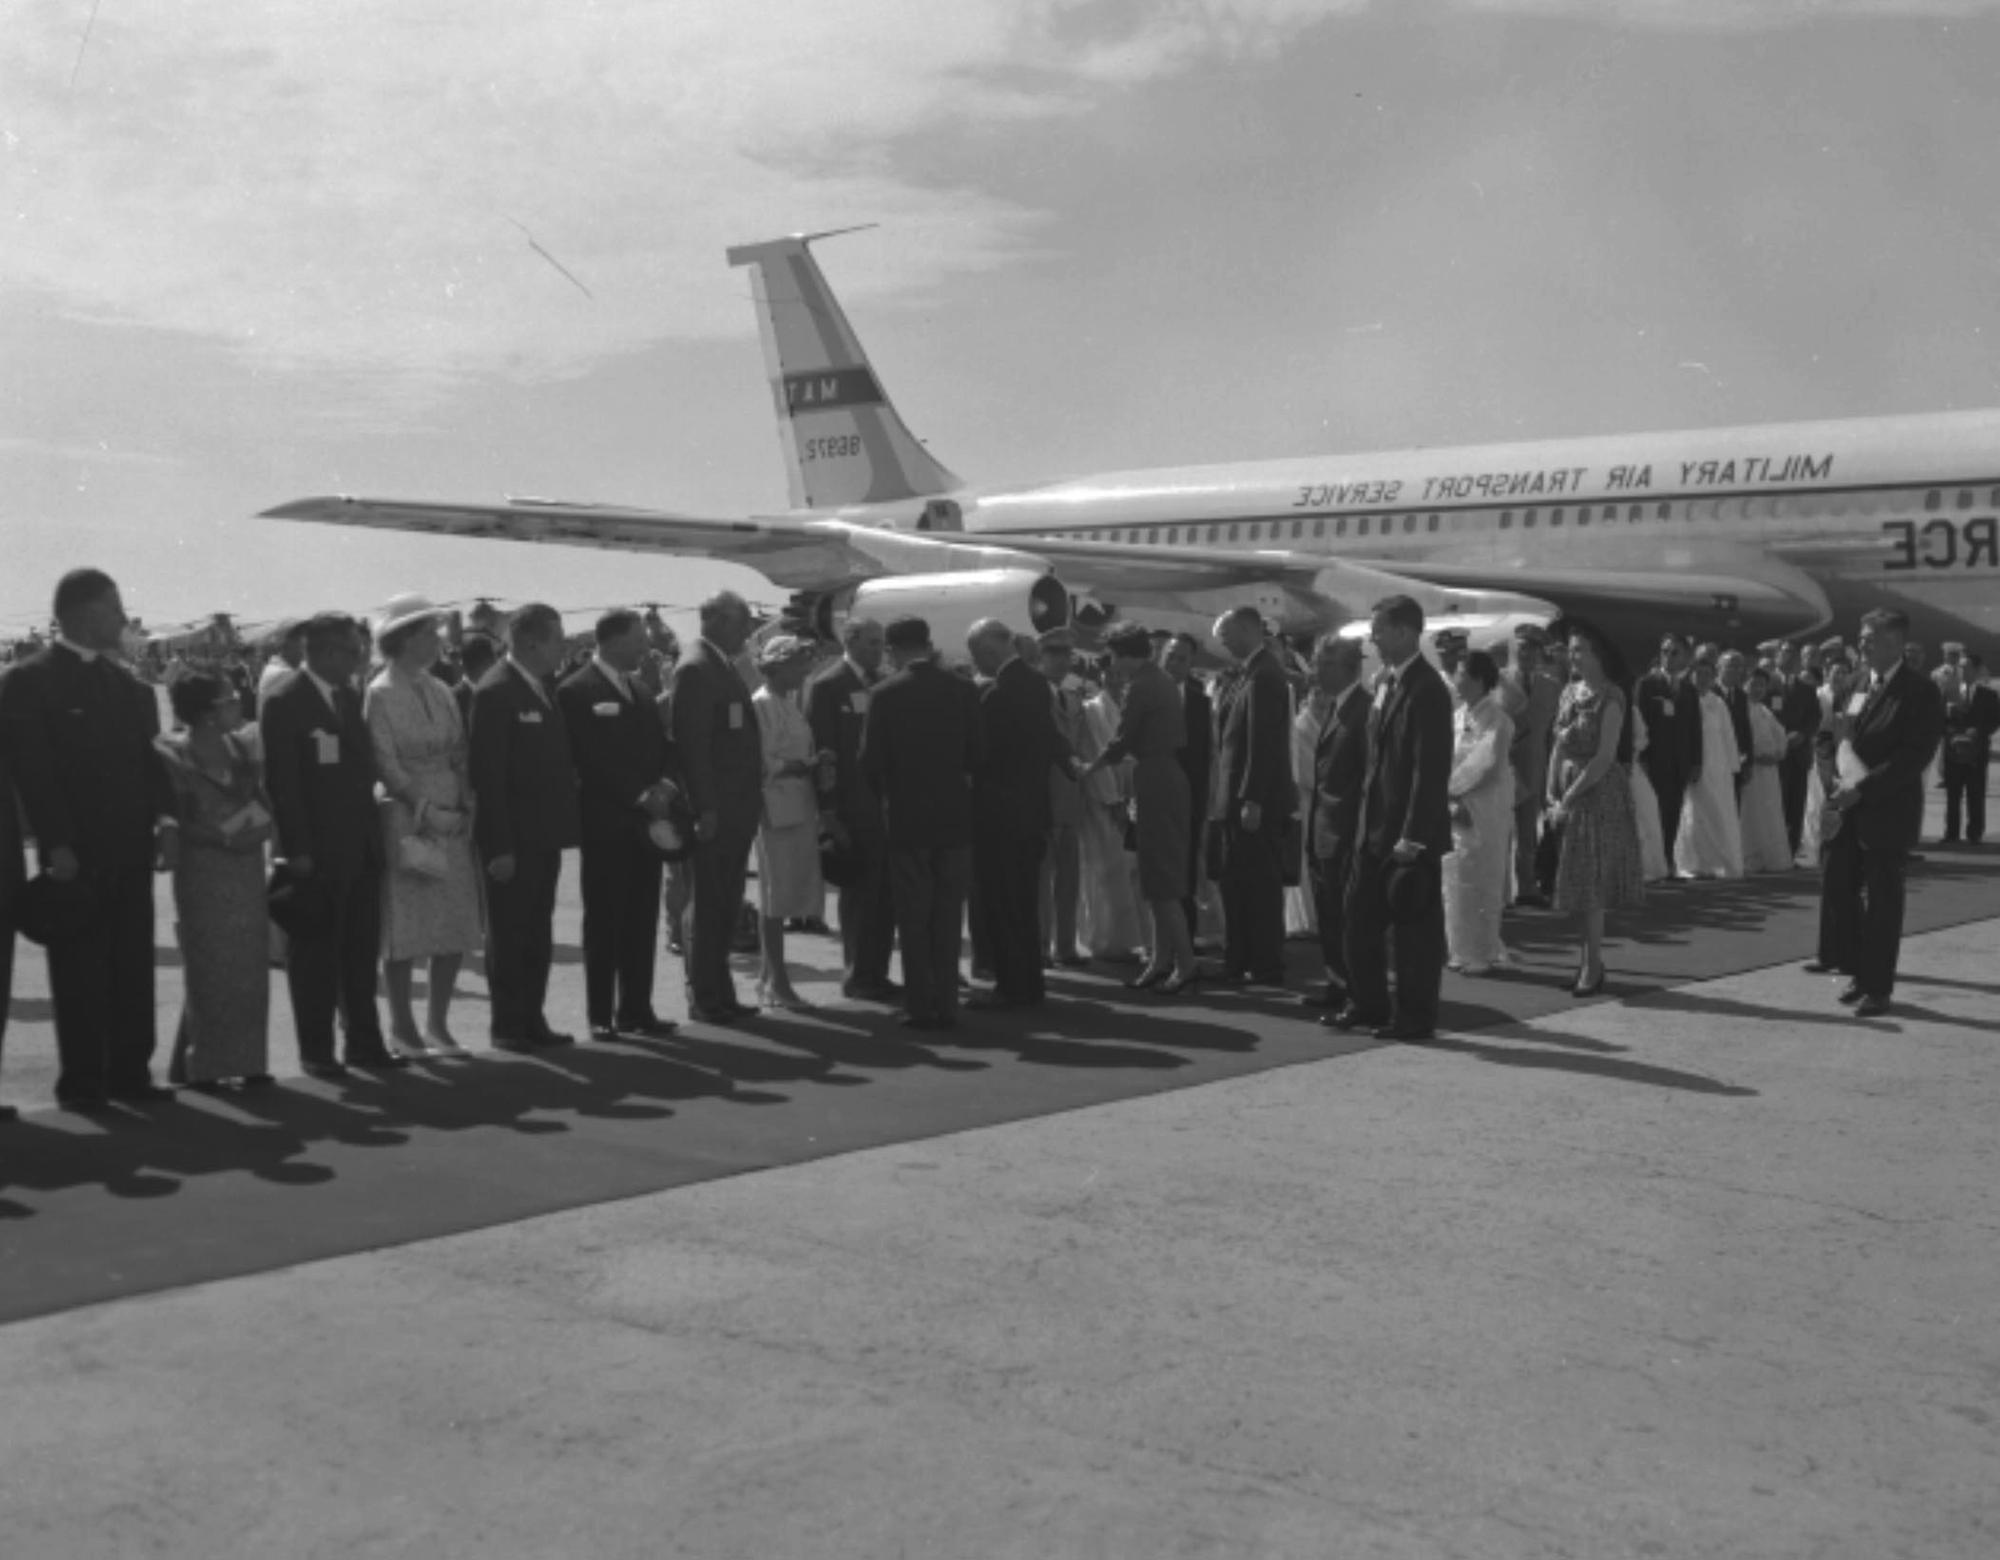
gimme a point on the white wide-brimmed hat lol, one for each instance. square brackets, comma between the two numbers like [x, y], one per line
[401, 611]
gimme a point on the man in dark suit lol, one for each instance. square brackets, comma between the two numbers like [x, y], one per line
[1197, 760]
[837, 702]
[722, 766]
[1799, 713]
[1340, 767]
[1010, 810]
[78, 733]
[1672, 712]
[1403, 834]
[1062, 866]
[476, 655]
[623, 768]
[1531, 698]
[1889, 741]
[1253, 799]
[319, 766]
[525, 817]
[12, 875]
[921, 746]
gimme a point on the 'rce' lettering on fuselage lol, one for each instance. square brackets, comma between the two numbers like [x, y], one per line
[1942, 544]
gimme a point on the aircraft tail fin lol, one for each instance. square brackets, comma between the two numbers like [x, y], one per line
[843, 441]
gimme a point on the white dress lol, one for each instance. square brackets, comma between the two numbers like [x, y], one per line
[1766, 845]
[1710, 842]
[1301, 915]
[1108, 921]
[788, 880]
[1646, 809]
[1475, 873]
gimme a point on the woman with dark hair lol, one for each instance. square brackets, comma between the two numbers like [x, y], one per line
[225, 820]
[1151, 732]
[430, 900]
[1482, 820]
[1590, 794]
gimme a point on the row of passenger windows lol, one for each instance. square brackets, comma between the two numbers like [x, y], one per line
[1277, 531]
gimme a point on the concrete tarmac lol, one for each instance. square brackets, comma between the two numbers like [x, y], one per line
[1484, 1298]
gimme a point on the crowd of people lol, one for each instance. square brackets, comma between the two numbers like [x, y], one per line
[389, 799]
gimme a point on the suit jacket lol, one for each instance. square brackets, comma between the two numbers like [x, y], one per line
[78, 738]
[1737, 702]
[1010, 795]
[1198, 757]
[1340, 770]
[1065, 794]
[319, 766]
[620, 750]
[922, 744]
[715, 735]
[837, 706]
[1406, 795]
[1895, 736]
[1533, 710]
[523, 776]
[1253, 742]
[1672, 711]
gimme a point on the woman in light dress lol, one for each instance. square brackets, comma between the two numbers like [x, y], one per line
[1766, 845]
[1653, 861]
[1108, 922]
[219, 904]
[1833, 696]
[1482, 819]
[1590, 795]
[430, 891]
[789, 885]
[1152, 730]
[1710, 841]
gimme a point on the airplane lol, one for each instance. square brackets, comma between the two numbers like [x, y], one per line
[1737, 535]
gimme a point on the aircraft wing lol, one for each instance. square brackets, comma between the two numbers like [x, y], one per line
[793, 554]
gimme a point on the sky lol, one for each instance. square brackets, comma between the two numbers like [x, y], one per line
[257, 253]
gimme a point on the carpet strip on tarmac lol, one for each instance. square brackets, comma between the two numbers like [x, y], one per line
[208, 1188]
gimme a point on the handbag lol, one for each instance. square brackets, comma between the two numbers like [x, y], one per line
[421, 856]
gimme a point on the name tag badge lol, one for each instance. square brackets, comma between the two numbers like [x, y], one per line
[858, 703]
[735, 717]
[604, 709]
[531, 717]
[326, 747]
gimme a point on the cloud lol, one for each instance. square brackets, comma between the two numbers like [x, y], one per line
[1735, 15]
[347, 186]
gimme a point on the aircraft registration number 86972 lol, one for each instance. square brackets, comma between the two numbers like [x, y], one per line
[835, 447]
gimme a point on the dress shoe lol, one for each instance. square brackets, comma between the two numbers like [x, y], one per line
[990, 1002]
[1588, 988]
[1850, 994]
[1352, 1017]
[1820, 967]
[553, 1039]
[651, 1027]
[1408, 1034]
[1145, 980]
[141, 1094]
[413, 1049]
[519, 1045]
[704, 1015]
[383, 1060]
[323, 1070]
[444, 1045]
[1175, 985]
[1871, 1007]
[85, 1104]
[603, 1033]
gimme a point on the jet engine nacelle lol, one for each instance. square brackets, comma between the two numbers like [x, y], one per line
[1025, 601]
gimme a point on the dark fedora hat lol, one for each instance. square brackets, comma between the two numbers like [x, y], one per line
[841, 864]
[51, 912]
[1409, 891]
[302, 906]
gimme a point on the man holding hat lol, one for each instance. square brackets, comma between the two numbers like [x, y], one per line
[722, 766]
[1530, 697]
[623, 761]
[524, 781]
[1062, 869]
[921, 746]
